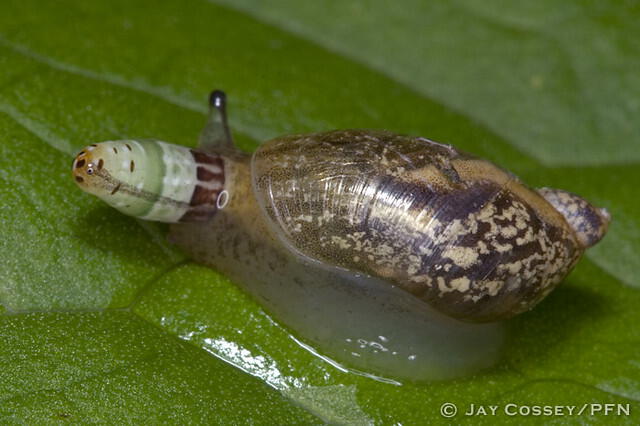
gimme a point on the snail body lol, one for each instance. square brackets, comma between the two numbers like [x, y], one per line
[395, 254]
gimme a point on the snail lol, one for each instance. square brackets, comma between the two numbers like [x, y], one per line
[394, 254]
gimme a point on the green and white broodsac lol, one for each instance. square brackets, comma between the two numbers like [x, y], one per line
[393, 254]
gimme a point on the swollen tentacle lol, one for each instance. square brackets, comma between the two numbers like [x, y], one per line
[152, 180]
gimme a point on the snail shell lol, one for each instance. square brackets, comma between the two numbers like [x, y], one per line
[453, 230]
[388, 251]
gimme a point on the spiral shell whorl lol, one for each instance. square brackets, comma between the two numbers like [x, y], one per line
[589, 223]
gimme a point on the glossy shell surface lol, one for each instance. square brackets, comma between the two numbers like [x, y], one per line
[456, 231]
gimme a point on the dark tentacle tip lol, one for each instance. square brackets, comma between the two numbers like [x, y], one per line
[218, 99]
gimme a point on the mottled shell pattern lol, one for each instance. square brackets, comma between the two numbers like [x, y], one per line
[455, 231]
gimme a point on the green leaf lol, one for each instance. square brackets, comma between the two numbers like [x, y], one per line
[104, 321]
[112, 365]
